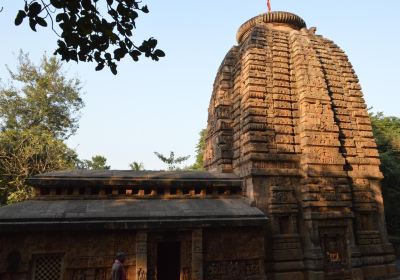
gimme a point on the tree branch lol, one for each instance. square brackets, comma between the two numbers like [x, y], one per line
[46, 7]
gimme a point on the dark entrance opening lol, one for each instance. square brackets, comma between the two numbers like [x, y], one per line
[168, 260]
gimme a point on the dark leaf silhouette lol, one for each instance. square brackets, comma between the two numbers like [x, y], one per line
[89, 34]
[20, 17]
[171, 161]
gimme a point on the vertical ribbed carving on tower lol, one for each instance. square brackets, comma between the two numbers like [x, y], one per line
[288, 116]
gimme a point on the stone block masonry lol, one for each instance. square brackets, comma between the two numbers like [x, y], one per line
[296, 129]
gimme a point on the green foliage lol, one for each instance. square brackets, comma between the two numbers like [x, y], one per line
[24, 153]
[171, 161]
[38, 111]
[198, 165]
[41, 97]
[88, 33]
[387, 134]
[137, 166]
[97, 162]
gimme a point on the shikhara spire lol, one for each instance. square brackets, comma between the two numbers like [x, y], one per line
[287, 115]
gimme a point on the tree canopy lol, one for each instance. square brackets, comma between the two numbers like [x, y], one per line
[91, 30]
[97, 162]
[24, 153]
[39, 110]
[41, 97]
[172, 161]
[198, 165]
[137, 166]
[387, 134]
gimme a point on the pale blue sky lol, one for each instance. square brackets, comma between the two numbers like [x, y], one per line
[162, 106]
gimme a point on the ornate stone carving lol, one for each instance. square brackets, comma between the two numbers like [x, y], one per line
[197, 255]
[232, 270]
[141, 255]
[294, 94]
[141, 273]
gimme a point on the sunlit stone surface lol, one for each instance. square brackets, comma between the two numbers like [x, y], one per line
[288, 116]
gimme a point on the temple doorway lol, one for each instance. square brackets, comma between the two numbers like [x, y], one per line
[168, 260]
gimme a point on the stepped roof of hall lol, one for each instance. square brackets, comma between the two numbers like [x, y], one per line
[128, 177]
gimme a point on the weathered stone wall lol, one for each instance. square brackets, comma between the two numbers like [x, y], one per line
[287, 114]
[84, 255]
[228, 253]
[234, 254]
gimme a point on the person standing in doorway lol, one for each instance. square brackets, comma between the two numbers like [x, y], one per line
[117, 270]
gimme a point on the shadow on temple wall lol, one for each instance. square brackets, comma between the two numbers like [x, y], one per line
[393, 227]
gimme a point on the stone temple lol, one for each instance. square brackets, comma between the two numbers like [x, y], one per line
[288, 116]
[292, 187]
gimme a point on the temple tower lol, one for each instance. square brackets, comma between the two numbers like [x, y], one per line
[288, 116]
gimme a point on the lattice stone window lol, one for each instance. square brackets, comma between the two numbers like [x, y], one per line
[47, 267]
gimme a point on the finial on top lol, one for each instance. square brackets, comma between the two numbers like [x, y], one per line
[277, 17]
[269, 6]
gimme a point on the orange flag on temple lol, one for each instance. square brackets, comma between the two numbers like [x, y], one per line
[269, 5]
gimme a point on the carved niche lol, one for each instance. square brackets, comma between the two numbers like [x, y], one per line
[334, 248]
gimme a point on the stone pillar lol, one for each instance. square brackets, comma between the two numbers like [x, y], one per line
[141, 255]
[197, 254]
